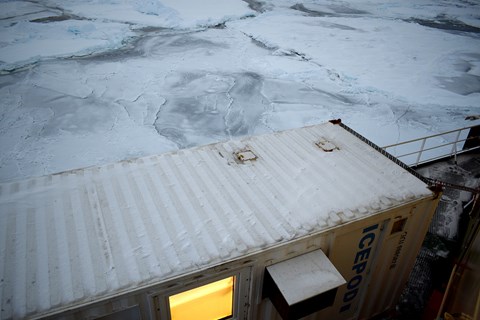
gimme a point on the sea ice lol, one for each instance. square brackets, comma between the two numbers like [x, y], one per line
[89, 83]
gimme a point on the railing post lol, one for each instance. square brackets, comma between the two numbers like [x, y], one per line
[454, 148]
[420, 152]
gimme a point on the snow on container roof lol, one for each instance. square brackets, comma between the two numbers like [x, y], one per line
[83, 235]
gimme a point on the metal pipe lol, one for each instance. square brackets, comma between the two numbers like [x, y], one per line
[454, 148]
[421, 150]
[428, 149]
[431, 136]
[454, 152]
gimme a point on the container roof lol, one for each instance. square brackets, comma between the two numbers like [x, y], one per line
[82, 235]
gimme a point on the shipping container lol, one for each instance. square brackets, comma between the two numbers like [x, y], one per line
[315, 222]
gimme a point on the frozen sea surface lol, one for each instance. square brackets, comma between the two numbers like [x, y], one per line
[90, 83]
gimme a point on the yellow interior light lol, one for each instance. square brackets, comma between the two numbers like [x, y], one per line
[212, 301]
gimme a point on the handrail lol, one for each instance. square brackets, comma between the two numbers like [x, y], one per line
[433, 183]
[419, 152]
[430, 136]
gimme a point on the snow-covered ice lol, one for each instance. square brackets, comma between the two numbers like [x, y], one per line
[93, 82]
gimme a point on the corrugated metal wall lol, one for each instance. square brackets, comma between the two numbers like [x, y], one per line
[90, 234]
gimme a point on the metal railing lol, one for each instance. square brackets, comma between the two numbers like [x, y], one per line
[471, 143]
[435, 147]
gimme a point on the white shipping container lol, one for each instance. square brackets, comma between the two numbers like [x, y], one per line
[317, 209]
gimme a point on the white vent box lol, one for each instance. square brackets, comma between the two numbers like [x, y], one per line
[302, 285]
